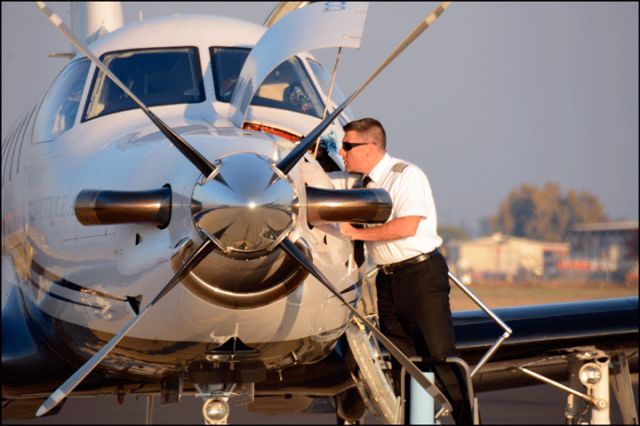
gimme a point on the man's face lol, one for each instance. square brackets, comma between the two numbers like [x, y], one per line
[356, 151]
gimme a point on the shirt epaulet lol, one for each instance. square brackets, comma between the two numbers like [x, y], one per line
[399, 167]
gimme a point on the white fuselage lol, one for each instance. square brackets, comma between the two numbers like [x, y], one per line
[81, 275]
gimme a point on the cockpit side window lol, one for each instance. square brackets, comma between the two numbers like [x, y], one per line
[60, 105]
[337, 95]
[286, 87]
[324, 78]
[161, 76]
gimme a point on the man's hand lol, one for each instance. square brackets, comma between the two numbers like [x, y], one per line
[395, 229]
[348, 230]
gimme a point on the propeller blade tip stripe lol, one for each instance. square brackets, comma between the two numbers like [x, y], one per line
[51, 402]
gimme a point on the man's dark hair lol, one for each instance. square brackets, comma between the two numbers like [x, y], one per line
[367, 124]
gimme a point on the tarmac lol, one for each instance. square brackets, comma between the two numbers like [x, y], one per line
[539, 404]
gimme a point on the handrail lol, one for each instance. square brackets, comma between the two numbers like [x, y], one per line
[505, 327]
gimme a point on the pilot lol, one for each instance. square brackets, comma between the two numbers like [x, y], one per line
[412, 282]
[295, 95]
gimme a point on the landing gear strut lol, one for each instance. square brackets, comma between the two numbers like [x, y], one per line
[589, 369]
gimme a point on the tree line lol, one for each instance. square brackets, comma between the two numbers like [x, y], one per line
[544, 214]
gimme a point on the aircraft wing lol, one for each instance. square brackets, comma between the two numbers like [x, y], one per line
[552, 340]
[320, 25]
[546, 337]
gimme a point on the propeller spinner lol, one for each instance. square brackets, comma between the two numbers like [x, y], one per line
[246, 207]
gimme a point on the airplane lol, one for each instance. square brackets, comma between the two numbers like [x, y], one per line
[219, 271]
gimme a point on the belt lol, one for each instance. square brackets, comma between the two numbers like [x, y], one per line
[394, 267]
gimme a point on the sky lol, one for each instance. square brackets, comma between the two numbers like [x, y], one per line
[491, 96]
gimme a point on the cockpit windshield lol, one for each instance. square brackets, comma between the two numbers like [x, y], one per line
[156, 76]
[286, 87]
[60, 106]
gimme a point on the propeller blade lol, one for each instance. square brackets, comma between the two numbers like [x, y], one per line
[70, 384]
[205, 167]
[287, 163]
[288, 246]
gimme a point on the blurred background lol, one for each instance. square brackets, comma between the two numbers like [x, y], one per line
[524, 117]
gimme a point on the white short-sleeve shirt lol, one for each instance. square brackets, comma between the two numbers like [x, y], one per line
[411, 195]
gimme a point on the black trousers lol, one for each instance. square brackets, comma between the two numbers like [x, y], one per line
[413, 304]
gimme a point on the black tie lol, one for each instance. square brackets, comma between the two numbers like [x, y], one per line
[358, 245]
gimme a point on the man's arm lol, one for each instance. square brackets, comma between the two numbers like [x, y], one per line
[395, 229]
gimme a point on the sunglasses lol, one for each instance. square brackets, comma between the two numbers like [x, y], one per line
[348, 146]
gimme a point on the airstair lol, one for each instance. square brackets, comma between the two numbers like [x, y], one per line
[413, 405]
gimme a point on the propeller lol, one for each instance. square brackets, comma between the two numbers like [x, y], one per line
[206, 220]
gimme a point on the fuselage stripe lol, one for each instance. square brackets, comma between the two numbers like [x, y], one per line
[64, 299]
[41, 271]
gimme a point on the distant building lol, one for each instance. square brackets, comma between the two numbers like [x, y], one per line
[503, 257]
[602, 251]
